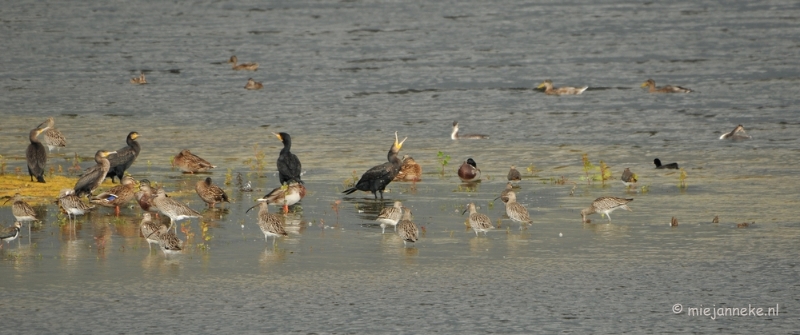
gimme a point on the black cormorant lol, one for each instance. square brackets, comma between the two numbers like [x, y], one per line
[123, 159]
[376, 178]
[36, 156]
[289, 167]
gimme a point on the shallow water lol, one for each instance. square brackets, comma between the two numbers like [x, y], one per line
[341, 78]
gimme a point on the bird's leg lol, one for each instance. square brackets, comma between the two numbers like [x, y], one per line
[116, 211]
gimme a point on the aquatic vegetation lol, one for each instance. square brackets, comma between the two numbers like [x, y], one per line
[605, 173]
[587, 167]
[229, 176]
[443, 160]
[351, 182]
[258, 162]
[682, 179]
[531, 169]
[2, 165]
[35, 193]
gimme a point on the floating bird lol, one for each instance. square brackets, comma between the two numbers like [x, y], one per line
[151, 231]
[53, 138]
[737, 133]
[210, 193]
[243, 66]
[744, 224]
[289, 167]
[674, 222]
[176, 210]
[469, 171]
[286, 195]
[253, 85]
[566, 90]
[117, 195]
[270, 224]
[504, 195]
[665, 89]
[409, 171]
[479, 222]
[515, 211]
[124, 158]
[72, 204]
[11, 233]
[605, 205]
[36, 156]
[407, 230]
[716, 219]
[191, 163]
[455, 136]
[657, 162]
[92, 177]
[390, 216]
[513, 174]
[376, 178]
[168, 241]
[141, 80]
[145, 197]
[629, 178]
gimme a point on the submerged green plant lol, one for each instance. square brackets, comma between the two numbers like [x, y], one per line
[587, 167]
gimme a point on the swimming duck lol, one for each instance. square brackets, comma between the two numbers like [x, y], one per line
[657, 162]
[673, 222]
[117, 195]
[191, 163]
[243, 66]
[124, 158]
[92, 177]
[410, 171]
[469, 171]
[141, 80]
[36, 156]
[253, 85]
[665, 89]
[210, 193]
[53, 138]
[376, 178]
[605, 205]
[289, 167]
[455, 136]
[737, 133]
[566, 90]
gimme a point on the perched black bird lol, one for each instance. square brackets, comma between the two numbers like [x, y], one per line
[36, 156]
[124, 157]
[289, 167]
[93, 176]
[376, 178]
[657, 162]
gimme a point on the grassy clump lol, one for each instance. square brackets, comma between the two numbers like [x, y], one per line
[33, 192]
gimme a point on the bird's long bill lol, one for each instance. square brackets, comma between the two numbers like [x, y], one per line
[278, 136]
[400, 143]
[462, 213]
[248, 210]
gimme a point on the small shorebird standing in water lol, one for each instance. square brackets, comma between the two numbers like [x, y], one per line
[605, 205]
[455, 136]
[407, 229]
[72, 204]
[479, 222]
[517, 212]
[513, 174]
[11, 233]
[629, 178]
[504, 195]
[22, 211]
[151, 231]
[390, 216]
[270, 224]
[175, 210]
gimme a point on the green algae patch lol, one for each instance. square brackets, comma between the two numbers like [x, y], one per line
[32, 192]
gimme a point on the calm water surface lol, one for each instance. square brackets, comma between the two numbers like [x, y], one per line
[342, 77]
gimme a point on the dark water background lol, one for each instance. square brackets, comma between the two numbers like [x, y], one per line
[342, 77]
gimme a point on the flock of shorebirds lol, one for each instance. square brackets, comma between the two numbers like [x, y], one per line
[113, 164]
